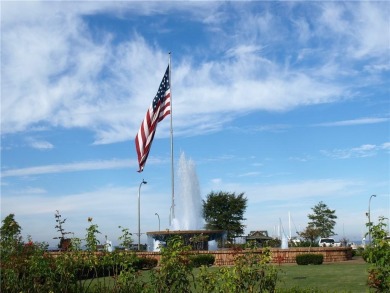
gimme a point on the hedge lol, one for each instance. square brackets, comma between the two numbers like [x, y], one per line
[199, 260]
[309, 259]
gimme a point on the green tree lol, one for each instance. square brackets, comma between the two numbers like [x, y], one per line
[225, 211]
[10, 234]
[310, 234]
[323, 219]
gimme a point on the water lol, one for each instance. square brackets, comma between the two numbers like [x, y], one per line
[213, 245]
[188, 200]
[188, 204]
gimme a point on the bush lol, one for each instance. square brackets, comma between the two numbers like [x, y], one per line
[202, 260]
[365, 254]
[378, 256]
[307, 243]
[145, 263]
[309, 259]
[359, 251]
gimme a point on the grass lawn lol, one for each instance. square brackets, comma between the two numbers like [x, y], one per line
[337, 277]
[349, 276]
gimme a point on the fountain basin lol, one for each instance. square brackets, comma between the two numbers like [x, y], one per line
[197, 239]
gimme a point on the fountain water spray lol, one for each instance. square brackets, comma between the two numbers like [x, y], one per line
[188, 221]
[188, 201]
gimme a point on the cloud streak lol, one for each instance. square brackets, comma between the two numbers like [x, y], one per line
[83, 80]
[71, 167]
[363, 151]
[359, 121]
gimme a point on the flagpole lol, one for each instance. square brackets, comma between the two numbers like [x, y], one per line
[172, 166]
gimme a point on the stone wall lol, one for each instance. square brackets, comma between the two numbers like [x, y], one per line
[226, 257]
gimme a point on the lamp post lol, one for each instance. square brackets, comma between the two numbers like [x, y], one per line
[369, 218]
[158, 221]
[170, 216]
[139, 217]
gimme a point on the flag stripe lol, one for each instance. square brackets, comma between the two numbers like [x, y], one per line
[158, 110]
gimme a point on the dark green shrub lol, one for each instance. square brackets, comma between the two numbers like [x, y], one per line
[299, 290]
[359, 251]
[145, 263]
[378, 256]
[365, 253]
[306, 243]
[199, 260]
[309, 259]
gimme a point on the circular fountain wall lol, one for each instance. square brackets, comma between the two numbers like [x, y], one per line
[197, 239]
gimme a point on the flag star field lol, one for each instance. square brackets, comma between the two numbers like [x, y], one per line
[286, 102]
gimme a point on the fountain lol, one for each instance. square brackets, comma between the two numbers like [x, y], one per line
[188, 221]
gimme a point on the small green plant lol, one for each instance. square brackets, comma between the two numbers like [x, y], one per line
[125, 238]
[309, 259]
[198, 242]
[207, 280]
[251, 273]
[199, 260]
[175, 273]
[378, 255]
[65, 243]
[90, 238]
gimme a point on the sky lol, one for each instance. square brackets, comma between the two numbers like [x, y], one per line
[286, 102]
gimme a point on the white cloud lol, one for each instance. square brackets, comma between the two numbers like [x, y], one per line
[301, 159]
[40, 144]
[284, 192]
[271, 128]
[35, 211]
[359, 121]
[216, 181]
[249, 174]
[242, 50]
[52, 68]
[29, 191]
[71, 167]
[386, 146]
[304, 189]
[366, 150]
[362, 26]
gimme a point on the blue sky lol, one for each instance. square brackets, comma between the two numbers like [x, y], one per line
[287, 102]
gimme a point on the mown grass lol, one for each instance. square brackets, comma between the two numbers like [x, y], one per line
[335, 277]
[349, 276]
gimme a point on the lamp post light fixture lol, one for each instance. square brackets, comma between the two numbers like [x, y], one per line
[139, 217]
[158, 221]
[369, 218]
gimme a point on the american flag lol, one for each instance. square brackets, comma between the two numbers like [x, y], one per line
[158, 110]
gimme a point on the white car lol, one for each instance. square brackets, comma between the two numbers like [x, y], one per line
[326, 242]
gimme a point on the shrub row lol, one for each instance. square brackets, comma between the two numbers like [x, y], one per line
[102, 269]
[145, 263]
[309, 259]
[202, 260]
